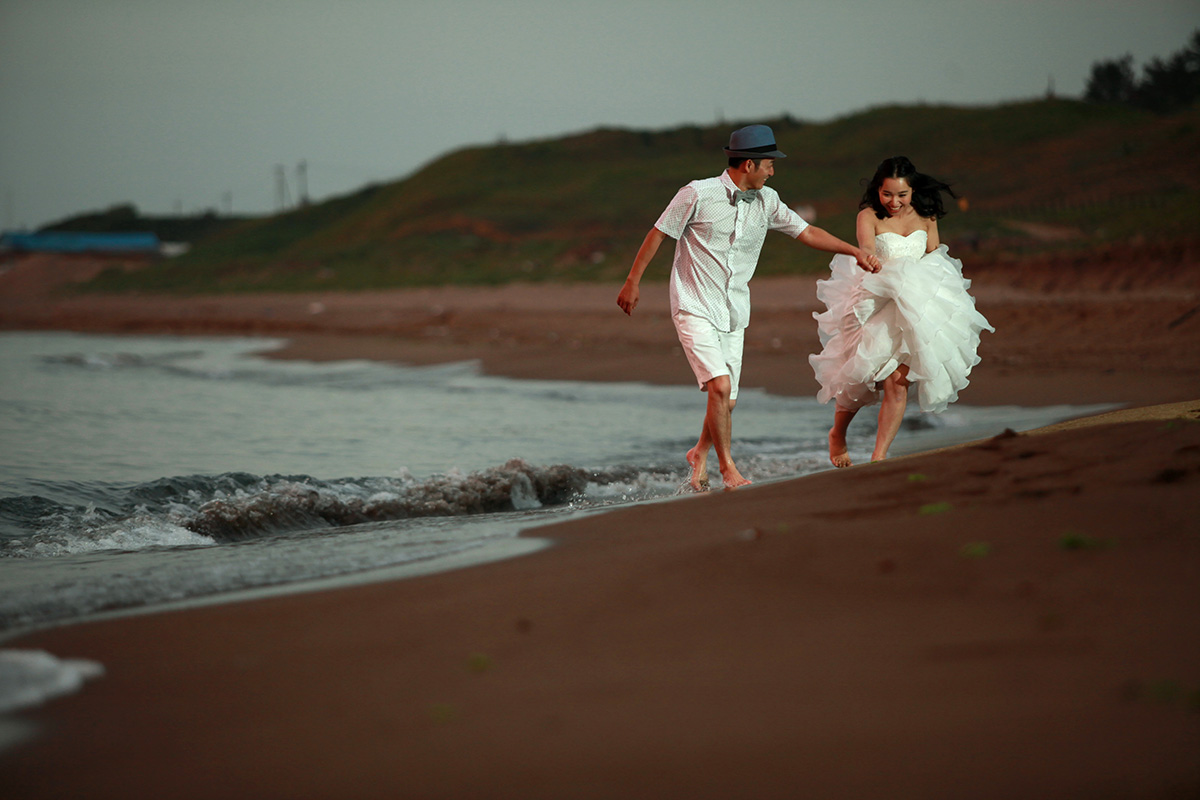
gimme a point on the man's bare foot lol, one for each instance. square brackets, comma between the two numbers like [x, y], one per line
[699, 463]
[732, 478]
[838, 453]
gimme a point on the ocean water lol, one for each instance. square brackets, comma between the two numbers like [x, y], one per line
[142, 471]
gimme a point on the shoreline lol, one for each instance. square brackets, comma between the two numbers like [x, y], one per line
[527, 541]
[522, 537]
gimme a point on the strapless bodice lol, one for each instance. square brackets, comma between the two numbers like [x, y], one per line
[890, 246]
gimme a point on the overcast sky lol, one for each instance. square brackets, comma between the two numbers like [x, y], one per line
[186, 105]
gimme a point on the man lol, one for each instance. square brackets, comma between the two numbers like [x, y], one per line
[719, 225]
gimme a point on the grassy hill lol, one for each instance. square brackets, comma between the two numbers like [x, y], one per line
[1037, 176]
[125, 218]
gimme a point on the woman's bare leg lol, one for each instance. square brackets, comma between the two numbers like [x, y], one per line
[891, 411]
[839, 455]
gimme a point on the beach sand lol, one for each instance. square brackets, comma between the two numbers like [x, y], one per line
[1017, 617]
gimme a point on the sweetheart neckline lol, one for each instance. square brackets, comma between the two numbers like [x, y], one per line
[901, 235]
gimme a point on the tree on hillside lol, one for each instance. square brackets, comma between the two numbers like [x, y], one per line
[1174, 83]
[1166, 86]
[1112, 82]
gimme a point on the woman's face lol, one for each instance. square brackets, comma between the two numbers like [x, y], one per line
[896, 195]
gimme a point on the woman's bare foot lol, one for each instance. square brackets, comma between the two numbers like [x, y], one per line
[699, 464]
[838, 453]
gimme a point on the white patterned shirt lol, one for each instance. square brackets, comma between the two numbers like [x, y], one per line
[717, 247]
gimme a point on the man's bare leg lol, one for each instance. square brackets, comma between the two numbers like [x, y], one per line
[891, 411]
[839, 454]
[697, 459]
[718, 423]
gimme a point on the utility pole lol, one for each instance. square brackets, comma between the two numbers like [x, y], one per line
[302, 182]
[282, 200]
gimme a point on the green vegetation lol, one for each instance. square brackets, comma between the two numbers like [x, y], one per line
[976, 550]
[1072, 540]
[479, 663]
[1047, 176]
[929, 509]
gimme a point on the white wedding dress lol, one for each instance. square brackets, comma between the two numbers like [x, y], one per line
[914, 311]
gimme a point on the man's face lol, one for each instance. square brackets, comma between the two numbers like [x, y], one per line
[756, 177]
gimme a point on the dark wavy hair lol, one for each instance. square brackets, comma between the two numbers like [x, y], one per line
[926, 189]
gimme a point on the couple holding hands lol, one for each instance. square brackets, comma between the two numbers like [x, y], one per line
[897, 313]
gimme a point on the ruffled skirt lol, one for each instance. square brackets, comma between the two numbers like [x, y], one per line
[915, 312]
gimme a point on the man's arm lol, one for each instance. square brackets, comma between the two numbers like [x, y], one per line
[820, 239]
[628, 297]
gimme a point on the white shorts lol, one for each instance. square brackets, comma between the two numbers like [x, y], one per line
[711, 352]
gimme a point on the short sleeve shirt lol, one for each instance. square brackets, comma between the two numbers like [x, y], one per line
[717, 247]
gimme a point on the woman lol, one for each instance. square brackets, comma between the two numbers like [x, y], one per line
[910, 322]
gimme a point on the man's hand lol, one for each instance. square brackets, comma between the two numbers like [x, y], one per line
[823, 240]
[627, 299]
[868, 261]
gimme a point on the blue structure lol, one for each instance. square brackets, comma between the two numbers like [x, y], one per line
[141, 243]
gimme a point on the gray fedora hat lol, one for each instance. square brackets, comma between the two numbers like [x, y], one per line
[753, 141]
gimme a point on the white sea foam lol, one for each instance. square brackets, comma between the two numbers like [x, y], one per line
[31, 677]
[79, 536]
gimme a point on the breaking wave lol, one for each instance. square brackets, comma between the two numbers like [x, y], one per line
[204, 510]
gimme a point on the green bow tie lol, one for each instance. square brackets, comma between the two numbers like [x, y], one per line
[748, 196]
